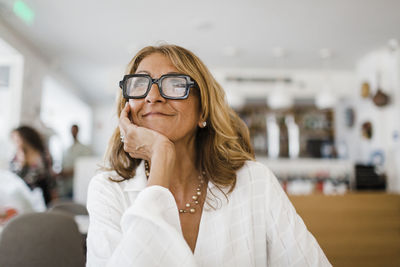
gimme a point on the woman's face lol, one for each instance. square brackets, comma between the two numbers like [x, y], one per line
[176, 119]
[16, 138]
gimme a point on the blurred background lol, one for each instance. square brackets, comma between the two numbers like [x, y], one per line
[317, 83]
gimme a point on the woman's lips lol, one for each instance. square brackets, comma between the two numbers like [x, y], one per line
[155, 114]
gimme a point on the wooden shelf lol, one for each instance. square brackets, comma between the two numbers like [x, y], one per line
[315, 126]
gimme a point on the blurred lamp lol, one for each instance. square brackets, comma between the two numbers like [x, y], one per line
[234, 100]
[325, 98]
[279, 98]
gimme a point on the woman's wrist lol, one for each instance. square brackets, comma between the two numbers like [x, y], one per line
[162, 164]
[163, 146]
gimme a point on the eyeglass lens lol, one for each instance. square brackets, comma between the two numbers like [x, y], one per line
[170, 86]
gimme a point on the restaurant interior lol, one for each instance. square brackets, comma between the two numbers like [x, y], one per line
[316, 82]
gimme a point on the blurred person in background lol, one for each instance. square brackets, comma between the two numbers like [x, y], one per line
[76, 150]
[32, 162]
[182, 186]
[15, 195]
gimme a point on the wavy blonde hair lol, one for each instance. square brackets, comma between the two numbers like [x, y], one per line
[222, 147]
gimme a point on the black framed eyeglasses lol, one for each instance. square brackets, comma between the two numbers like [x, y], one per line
[170, 86]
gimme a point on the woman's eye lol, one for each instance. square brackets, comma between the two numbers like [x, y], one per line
[179, 86]
[139, 84]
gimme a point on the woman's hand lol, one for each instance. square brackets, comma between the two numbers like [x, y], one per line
[144, 143]
[140, 142]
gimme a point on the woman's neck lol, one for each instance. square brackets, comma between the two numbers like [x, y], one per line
[185, 169]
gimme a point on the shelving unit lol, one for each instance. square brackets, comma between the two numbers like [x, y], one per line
[316, 129]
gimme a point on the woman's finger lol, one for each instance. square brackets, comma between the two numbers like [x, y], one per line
[124, 121]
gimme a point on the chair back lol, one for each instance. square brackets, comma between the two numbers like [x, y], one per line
[41, 240]
[70, 208]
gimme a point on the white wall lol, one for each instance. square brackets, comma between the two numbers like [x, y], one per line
[385, 120]
[344, 134]
[61, 109]
[27, 94]
[105, 120]
[9, 106]
[306, 83]
[28, 82]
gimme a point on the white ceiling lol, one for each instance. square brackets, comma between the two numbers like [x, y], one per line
[91, 41]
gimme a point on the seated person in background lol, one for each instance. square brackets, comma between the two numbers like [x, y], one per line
[32, 161]
[182, 186]
[76, 150]
[15, 194]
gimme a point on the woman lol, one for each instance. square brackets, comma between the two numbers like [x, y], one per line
[182, 187]
[32, 162]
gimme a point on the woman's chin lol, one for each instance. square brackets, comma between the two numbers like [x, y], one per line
[164, 130]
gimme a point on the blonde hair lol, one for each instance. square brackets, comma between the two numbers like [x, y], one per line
[222, 147]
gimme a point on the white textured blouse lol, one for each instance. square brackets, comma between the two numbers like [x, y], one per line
[135, 225]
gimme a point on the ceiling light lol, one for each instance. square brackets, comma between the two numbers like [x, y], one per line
[280, 98]
[325, 97]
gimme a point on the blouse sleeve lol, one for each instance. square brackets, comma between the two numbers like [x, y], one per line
[289, 243]
[146, 234]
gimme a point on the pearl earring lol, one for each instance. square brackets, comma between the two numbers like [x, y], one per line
[204, 124]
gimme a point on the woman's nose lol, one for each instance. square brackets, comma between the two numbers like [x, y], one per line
[154, 94]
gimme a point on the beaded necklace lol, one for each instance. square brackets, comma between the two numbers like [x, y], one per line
[190, 207]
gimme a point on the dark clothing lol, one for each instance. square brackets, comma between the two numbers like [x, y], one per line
[39, 175]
